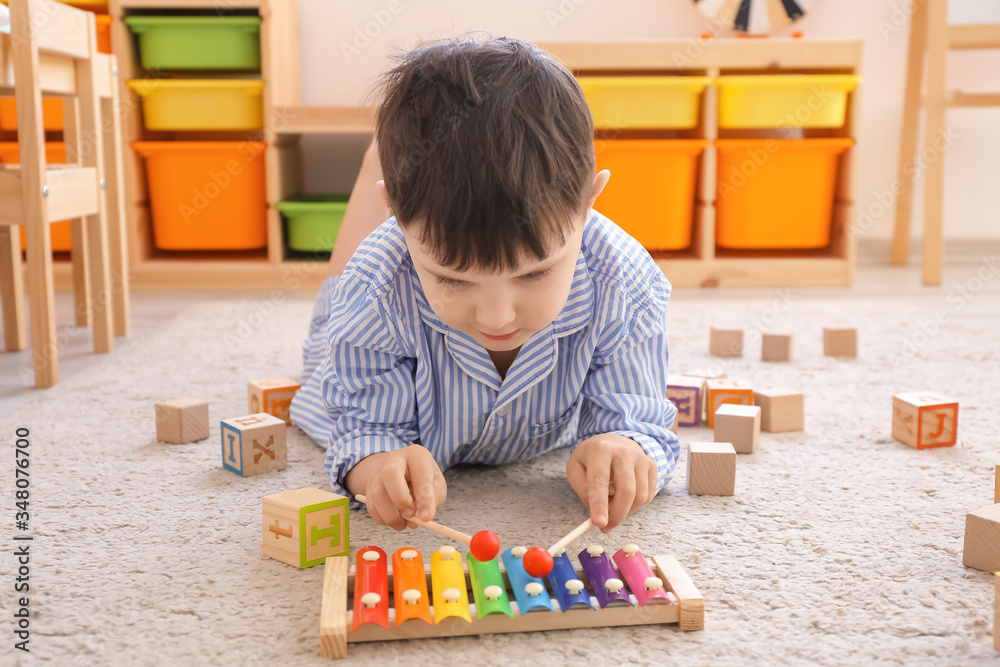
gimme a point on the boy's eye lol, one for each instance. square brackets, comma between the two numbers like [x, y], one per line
[537, 275]
[450, 281]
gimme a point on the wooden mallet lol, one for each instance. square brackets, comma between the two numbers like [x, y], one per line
[484, 545]
[538, 561]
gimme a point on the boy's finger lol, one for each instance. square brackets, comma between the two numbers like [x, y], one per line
[621, 503]
[383, 510]
[399, 493]
[424, 491]
[598, 483]
[576, 475]
[641, 491]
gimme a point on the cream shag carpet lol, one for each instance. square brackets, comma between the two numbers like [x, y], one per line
[840, 547]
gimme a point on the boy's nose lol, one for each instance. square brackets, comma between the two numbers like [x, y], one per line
[495, 316]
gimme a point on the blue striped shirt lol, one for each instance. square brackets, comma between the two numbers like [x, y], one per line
[381, 371]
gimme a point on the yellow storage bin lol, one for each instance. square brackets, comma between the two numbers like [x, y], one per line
[651, 191]
[625, 102]
[776, 194]
[200, 104]
[790, 100]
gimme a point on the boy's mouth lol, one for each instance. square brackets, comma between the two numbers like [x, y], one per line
[503, 337]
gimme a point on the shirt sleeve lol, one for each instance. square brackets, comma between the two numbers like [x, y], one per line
[625, 390]
[360, 399]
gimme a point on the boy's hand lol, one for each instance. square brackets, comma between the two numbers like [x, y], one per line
[399, 484]
[607, 460]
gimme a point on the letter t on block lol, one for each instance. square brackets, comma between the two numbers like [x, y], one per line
[254, 444]
[304, 526]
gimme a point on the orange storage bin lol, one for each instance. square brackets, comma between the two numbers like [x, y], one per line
[651, 191]
[55, 153]
[206, 195]
[774, 193]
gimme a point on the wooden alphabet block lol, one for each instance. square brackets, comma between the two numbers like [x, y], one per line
[780, 410]
[840, 342]
[982, 539]
[181, 420]
[726, 391]
[686, 394]
[711, 469]
[996, 607]
[996, 484]
[715, 373]
[254, 444]
[738, 425]
[273, 396]
[726, 342]
[304, 526]
[776, 347]
[925, 419]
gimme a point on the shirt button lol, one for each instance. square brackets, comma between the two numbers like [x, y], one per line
[504, 411]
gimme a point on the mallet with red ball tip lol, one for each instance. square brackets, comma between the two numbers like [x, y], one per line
[484, 545]
[538, 561]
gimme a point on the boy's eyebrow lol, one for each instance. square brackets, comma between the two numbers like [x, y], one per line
[549, 263]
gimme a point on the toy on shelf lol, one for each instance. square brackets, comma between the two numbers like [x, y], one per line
[780, 410]
[182, 420]
[711, 469]
[776, 347]
[304, 526]
[588, 595]
[840, 342]
[925, 419]
[254, 444]
[273, 396]
[485, 544]
[738, 425]
[982, 539]
[726, 342]
[738, 392]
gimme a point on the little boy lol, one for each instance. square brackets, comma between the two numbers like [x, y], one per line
[496, 316]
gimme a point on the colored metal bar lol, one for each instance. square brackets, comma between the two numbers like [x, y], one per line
[519, 580]
[451, 598]
[637, 573]
[371, 588]
[488, 588]
[566, 585]
[410, 586]
[604, 580]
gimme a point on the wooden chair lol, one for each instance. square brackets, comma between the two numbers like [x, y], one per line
[931, 35]
[52, 49]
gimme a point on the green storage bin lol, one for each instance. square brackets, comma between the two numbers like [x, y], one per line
[197, 42]
[313, 220]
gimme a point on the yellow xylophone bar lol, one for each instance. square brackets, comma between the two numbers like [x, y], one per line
[687, 609]
[451, 597]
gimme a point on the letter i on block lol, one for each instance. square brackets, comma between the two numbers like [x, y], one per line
[254, 444]
[304, 526]
[685, 393]
[925, 419]
[273, 396]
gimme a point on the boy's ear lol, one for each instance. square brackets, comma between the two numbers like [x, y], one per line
[380, 186]
[600, 180]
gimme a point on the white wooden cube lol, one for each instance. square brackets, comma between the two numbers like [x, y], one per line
[726, 342]
[181, 420]
[739, 425]
[254, 444]
[711, 469]
[776, 347]
[840, 342]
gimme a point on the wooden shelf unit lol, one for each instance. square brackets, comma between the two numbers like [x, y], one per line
[286, 121]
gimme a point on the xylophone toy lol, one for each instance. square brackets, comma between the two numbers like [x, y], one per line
[410, 599]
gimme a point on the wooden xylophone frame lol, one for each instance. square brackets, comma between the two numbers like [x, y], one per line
[338, 583]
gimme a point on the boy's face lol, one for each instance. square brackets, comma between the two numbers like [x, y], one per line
[499, 310]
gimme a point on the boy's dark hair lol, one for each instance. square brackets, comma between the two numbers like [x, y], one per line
[490, 145]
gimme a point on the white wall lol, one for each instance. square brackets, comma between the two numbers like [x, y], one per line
[340, 62]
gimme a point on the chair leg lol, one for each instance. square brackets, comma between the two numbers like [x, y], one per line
[115, 199]
[937, 54]
[908, 143]
[41, 300]
[81, 286]
[15, 331]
